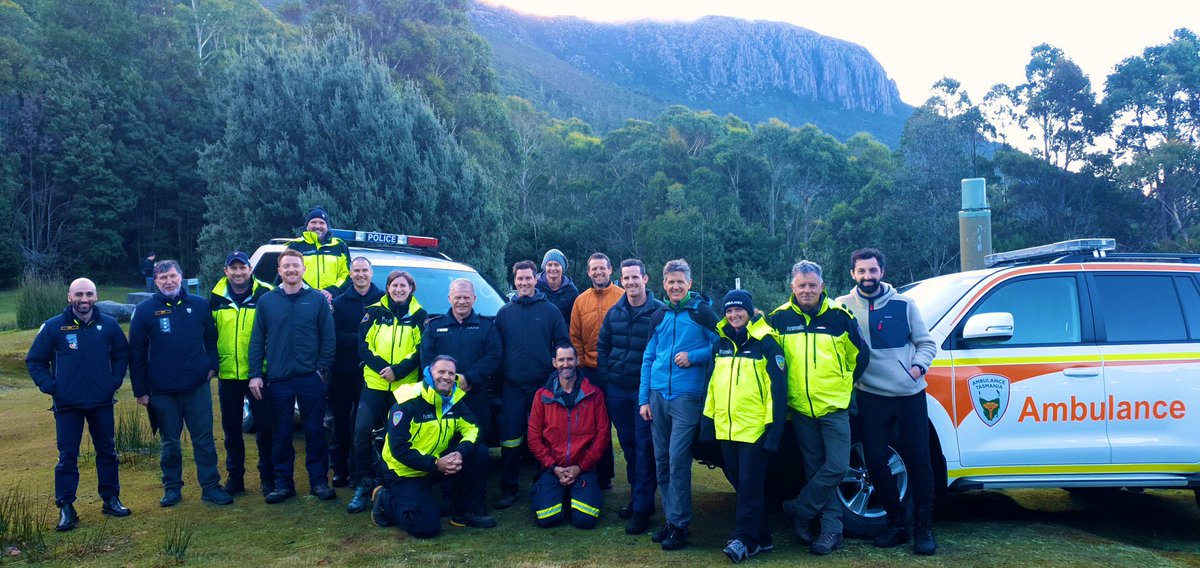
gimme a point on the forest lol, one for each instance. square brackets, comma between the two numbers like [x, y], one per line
[192, 127]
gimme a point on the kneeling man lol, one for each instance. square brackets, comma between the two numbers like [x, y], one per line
[432, 437]
[568, 434]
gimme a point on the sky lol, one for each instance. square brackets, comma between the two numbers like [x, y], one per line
[920, 41]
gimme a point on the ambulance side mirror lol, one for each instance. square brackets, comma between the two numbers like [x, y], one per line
[995, 326]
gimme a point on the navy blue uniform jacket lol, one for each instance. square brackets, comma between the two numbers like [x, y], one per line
[80, 364]
[172, 344]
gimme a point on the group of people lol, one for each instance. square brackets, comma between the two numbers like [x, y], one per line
[568, 367]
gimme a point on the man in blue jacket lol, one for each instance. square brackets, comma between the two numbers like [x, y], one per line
[530, 329]
[173, 348]
[293, 333]
[671, 393]
[79, 358]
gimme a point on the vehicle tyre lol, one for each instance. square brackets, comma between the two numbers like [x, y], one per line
[862, 510]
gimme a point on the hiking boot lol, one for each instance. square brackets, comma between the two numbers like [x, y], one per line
[235, 486]
[661, 534]
[279, 495]
[826, 543]
[676, 539]
[68, 519]
[638, 523]
[923, 542]
[473, 520]
[216, 496]
[113, 507]
[379, 514]
[323, 492]
[171, 497]
[800, 525]
[891, 536]
[341, 479]
[736, 551]
[358, 503]
[507, 500]
[626, 512]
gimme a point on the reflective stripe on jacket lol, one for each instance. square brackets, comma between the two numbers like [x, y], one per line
[825, 353]
[234, 323]
[387, 339]
[420, 428]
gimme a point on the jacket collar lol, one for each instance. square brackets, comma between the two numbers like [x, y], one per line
[822, 305]
[472, 318]
[583, 389]
[69, 315]
[223, 289]
[757, 328]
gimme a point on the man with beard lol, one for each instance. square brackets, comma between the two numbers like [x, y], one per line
[347, 381]
[568, 434]
[79, 358]
[530, 328]
[586, 317]
[891, 397]
[326, 257]
[173, 356]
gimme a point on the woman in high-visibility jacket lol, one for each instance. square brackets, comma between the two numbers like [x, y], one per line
[389, 342]
[745, 411]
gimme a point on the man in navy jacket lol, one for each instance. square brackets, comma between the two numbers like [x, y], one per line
[79, 358]
[173, 347]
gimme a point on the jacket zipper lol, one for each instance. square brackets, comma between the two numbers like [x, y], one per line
[733, 377]
[807, 387]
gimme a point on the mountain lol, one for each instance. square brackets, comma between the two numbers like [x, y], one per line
[607, 72]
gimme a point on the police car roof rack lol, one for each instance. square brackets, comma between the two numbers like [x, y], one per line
[1055, 252]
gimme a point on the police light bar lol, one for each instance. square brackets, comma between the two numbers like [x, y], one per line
[371, 238]
[1095, 246]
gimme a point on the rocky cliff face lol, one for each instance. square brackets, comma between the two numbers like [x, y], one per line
[754, 69]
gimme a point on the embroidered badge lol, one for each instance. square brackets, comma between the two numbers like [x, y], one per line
[779, 362]
[69, 328]
[72, 341]
[164, 324]
[162, 312]
[366, 318]
[99, 327]
[397, 416]
[189, 310]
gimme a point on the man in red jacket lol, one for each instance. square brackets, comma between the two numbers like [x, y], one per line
[568, 433]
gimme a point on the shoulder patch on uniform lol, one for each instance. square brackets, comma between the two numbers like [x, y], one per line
[779, 362]
[366, 317]
[397, 416]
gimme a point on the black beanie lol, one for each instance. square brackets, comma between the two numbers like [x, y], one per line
[741, 299]
[317, 213]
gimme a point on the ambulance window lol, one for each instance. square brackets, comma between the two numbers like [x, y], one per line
[1191, 304]
[1045, 310]
[1140, 307]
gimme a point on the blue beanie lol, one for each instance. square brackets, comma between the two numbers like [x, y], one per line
[557, 256]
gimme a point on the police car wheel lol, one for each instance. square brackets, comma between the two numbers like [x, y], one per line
[862, 509]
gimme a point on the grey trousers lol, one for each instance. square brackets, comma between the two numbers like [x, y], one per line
[825, 447]
[193, 408]
[673, 429]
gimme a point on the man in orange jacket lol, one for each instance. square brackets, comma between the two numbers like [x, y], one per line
[587, 315]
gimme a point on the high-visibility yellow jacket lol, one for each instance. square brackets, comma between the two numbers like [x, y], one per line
[234, 322]
[390, 336]
[824, 352]
[326, 262]
[747, 393]
[422, 425]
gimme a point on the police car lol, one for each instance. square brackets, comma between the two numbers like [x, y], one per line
[1065, 365]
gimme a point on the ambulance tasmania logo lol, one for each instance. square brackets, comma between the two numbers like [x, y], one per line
[989, 396]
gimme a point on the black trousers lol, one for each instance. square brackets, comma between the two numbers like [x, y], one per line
[342, 399]
[878, 416]
[409, 501]
[372, 410]
[746, 470]
[230, 394]
[68, 425]
[514, 425]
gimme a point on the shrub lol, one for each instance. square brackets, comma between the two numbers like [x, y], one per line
[38, 299]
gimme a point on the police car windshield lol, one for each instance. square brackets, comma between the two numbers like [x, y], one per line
[433, 286]
[935, 296]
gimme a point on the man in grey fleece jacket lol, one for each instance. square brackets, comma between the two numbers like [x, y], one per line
[891, 394]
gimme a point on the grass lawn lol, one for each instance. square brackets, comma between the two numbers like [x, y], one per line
[1006, 528]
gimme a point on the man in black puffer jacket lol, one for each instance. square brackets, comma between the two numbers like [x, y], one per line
[623, 337]
[530, 328]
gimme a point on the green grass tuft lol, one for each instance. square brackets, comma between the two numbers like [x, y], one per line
[23, 519]
[176, 541]
[135, 442]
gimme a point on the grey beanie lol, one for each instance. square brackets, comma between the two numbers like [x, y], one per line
[557, 256]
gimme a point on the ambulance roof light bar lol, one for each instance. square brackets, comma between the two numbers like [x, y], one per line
[1097, 247]
[372, 238]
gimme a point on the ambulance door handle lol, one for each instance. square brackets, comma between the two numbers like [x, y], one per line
[1082, 372]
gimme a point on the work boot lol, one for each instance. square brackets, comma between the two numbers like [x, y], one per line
[113, 507]
[235, 485]
[826, 543]
[341, 479]
[892, 535]
[67, 518]
[800, 525]
[638, 523]
[358, 503]
[626, 511]
[379, 514]
[661, 534]
[323, 492]
[216, 496]
[474, 520]
[507, 500]
[676, 539]
[279, 495]
[923, 541]
[171, 497]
